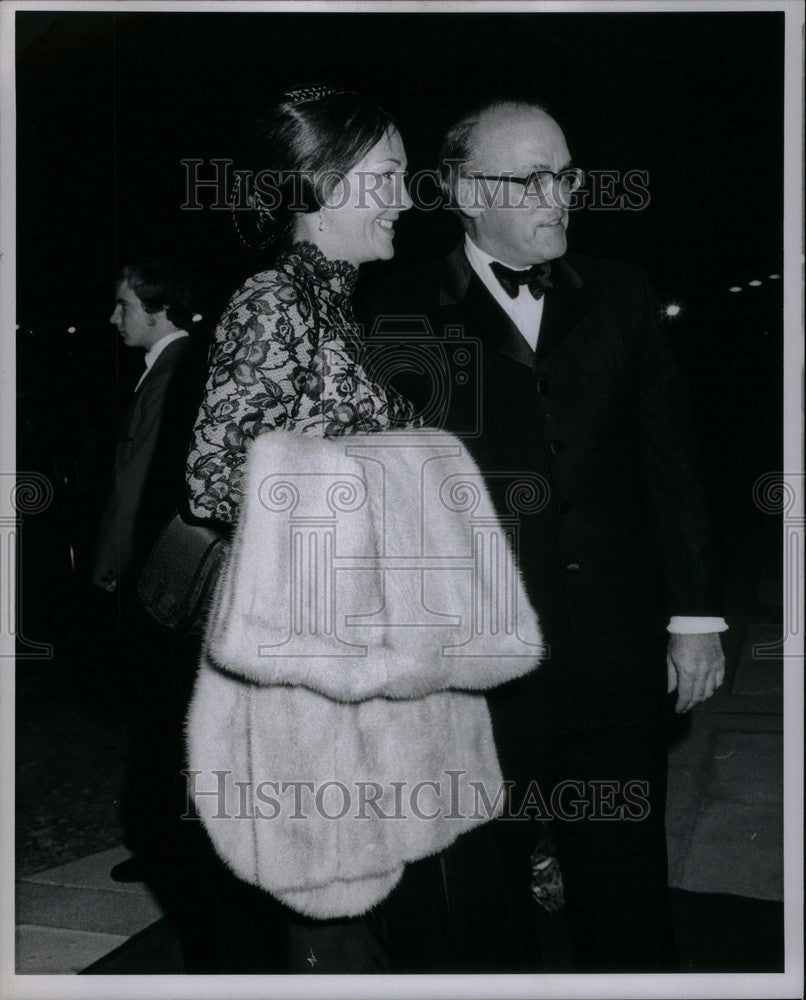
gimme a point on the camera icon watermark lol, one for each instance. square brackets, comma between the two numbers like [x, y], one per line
[448, 369]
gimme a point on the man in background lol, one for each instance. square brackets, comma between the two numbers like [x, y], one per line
[152, 314]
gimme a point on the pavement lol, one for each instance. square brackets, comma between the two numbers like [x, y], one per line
[725, 807]
[725, 801]
[71, 915]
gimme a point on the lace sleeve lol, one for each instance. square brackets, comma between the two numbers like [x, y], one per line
[252, 386]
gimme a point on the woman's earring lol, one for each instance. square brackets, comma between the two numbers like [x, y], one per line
[321, 223]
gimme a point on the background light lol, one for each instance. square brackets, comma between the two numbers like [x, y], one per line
[735, 288]
[673, 309]
[774, 277]
[197, 317]
[71, 329]
[755, 284]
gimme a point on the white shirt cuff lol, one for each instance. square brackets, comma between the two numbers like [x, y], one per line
[683, 625]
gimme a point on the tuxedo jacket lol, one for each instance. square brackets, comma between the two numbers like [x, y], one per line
[148, 473]
[615, 538]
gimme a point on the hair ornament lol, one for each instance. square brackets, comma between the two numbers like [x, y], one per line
[259, 206]
[302, 95]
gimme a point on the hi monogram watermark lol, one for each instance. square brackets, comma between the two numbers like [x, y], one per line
[321, 520]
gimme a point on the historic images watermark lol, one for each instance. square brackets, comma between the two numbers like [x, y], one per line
[452, 796]
[215, 185]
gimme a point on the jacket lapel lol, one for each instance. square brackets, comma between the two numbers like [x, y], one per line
[464, 299]
[565, 305]
[159, 372]
[168, 357]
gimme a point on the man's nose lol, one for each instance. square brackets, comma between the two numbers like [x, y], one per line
[556, 199]
[545, 198]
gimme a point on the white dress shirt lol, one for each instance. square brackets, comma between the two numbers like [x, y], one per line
[526, 312]
[156, 350]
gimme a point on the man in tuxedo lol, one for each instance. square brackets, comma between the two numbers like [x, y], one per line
[569, 382]
[153, 314]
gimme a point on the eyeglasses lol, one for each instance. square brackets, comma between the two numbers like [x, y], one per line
[545, 182]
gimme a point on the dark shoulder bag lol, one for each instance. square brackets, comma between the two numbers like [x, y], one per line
[177, 580]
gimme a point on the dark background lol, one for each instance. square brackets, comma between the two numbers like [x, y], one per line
[109, 103]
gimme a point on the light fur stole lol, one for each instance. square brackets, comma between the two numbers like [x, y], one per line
[285, 748]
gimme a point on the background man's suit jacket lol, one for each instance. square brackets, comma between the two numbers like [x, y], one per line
[600, 413]
[148, 474]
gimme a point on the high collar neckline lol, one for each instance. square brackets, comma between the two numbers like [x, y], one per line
[339, 275]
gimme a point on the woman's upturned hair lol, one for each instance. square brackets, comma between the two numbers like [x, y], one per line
[296, 149]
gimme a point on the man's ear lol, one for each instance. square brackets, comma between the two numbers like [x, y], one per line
[468, 197]
[157, 317]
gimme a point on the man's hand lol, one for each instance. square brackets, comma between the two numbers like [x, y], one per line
[696, 667]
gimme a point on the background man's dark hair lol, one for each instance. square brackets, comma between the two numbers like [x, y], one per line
[159, 284]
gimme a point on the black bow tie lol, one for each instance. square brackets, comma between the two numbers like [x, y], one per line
[537, 278]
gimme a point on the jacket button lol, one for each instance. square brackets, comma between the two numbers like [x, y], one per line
[542, 387]
[556, 447]
[572, 568]
[563, 506]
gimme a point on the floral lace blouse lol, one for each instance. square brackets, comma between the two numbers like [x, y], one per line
[286, 353]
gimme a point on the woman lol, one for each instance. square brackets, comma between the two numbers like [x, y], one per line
[286, 355]
[286, 352]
